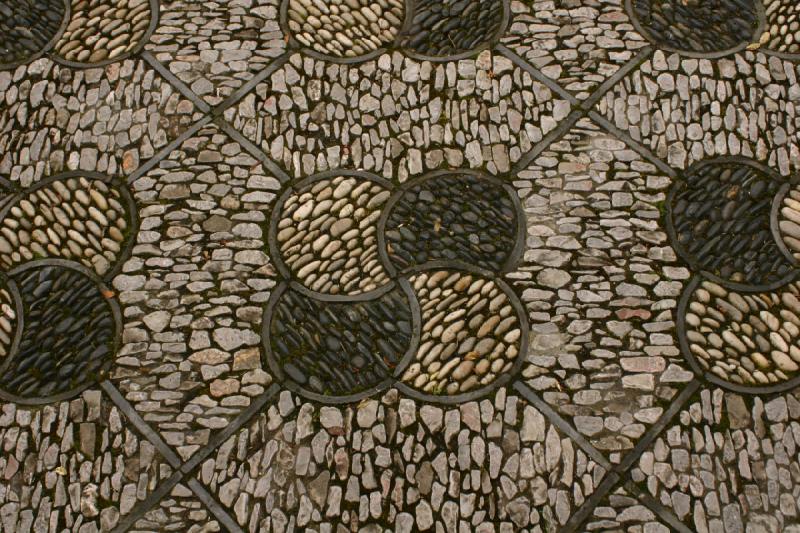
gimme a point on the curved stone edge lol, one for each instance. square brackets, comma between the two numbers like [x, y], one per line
[119, 185]
[410, 8]
[273, 248]
[116, 313]
[50, 45]
[514, 257]
[698, 370]
[490, 44]
[502, 380]
[269, 360]
[11, 286]
[155, 9]
[692, 262]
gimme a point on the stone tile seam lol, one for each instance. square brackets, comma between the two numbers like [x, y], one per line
[253, 150]
[548, 412]
[183, 470]
[581, 514]
[633, 144]
[167, 150]
[622, 470]
[580, 110]
[216, 113]
[654, 505]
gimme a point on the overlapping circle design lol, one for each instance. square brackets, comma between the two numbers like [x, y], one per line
[715, 28]
[61, 242]
[76, 33]
[736, 223]
[358, 30]
[395, 286]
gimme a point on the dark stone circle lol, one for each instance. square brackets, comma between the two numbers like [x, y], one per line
[68, 334]
[27, 26]
[452, 217]
[701, 26]
[451, 27]
[338, 349]
[721, 218]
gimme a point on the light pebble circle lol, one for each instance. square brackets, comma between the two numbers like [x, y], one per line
[345, 28]
[471, 334]
[750, 339]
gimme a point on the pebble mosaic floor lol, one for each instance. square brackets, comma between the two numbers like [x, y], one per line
[400, 265]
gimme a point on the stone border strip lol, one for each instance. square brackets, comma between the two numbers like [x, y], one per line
[643, 55]
[167, 150]
[615, 473]
[214, 506]
[619, 472]
[277, 172]
[537, 75]
[175, 81]
[632, 144]
[760, 13]
[654, 505]
[548, 140]
[112, 303]
[245, 89]
[186, 469]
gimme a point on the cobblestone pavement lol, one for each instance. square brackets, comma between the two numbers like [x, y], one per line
[400, 265]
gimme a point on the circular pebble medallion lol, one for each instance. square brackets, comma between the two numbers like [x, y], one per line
[29, 28]
[463, 217]
[747, 341]
[325, 233]
[339, 351]
[453, 28]
[344, 29]
[787, 212]
[700, 27]
[9, 307]
[101, 31]
[77, 216]
[719, 217]
[69, 333]
[473, 332]
[782, 30]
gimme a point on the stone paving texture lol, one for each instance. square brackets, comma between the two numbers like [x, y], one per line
[400, 265]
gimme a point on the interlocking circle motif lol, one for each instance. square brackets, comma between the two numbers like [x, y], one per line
[359, 30]
[76, 33]
[395, 286]
[737, 224]
[61, 242]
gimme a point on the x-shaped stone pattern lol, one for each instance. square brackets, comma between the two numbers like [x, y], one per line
[593, 108]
